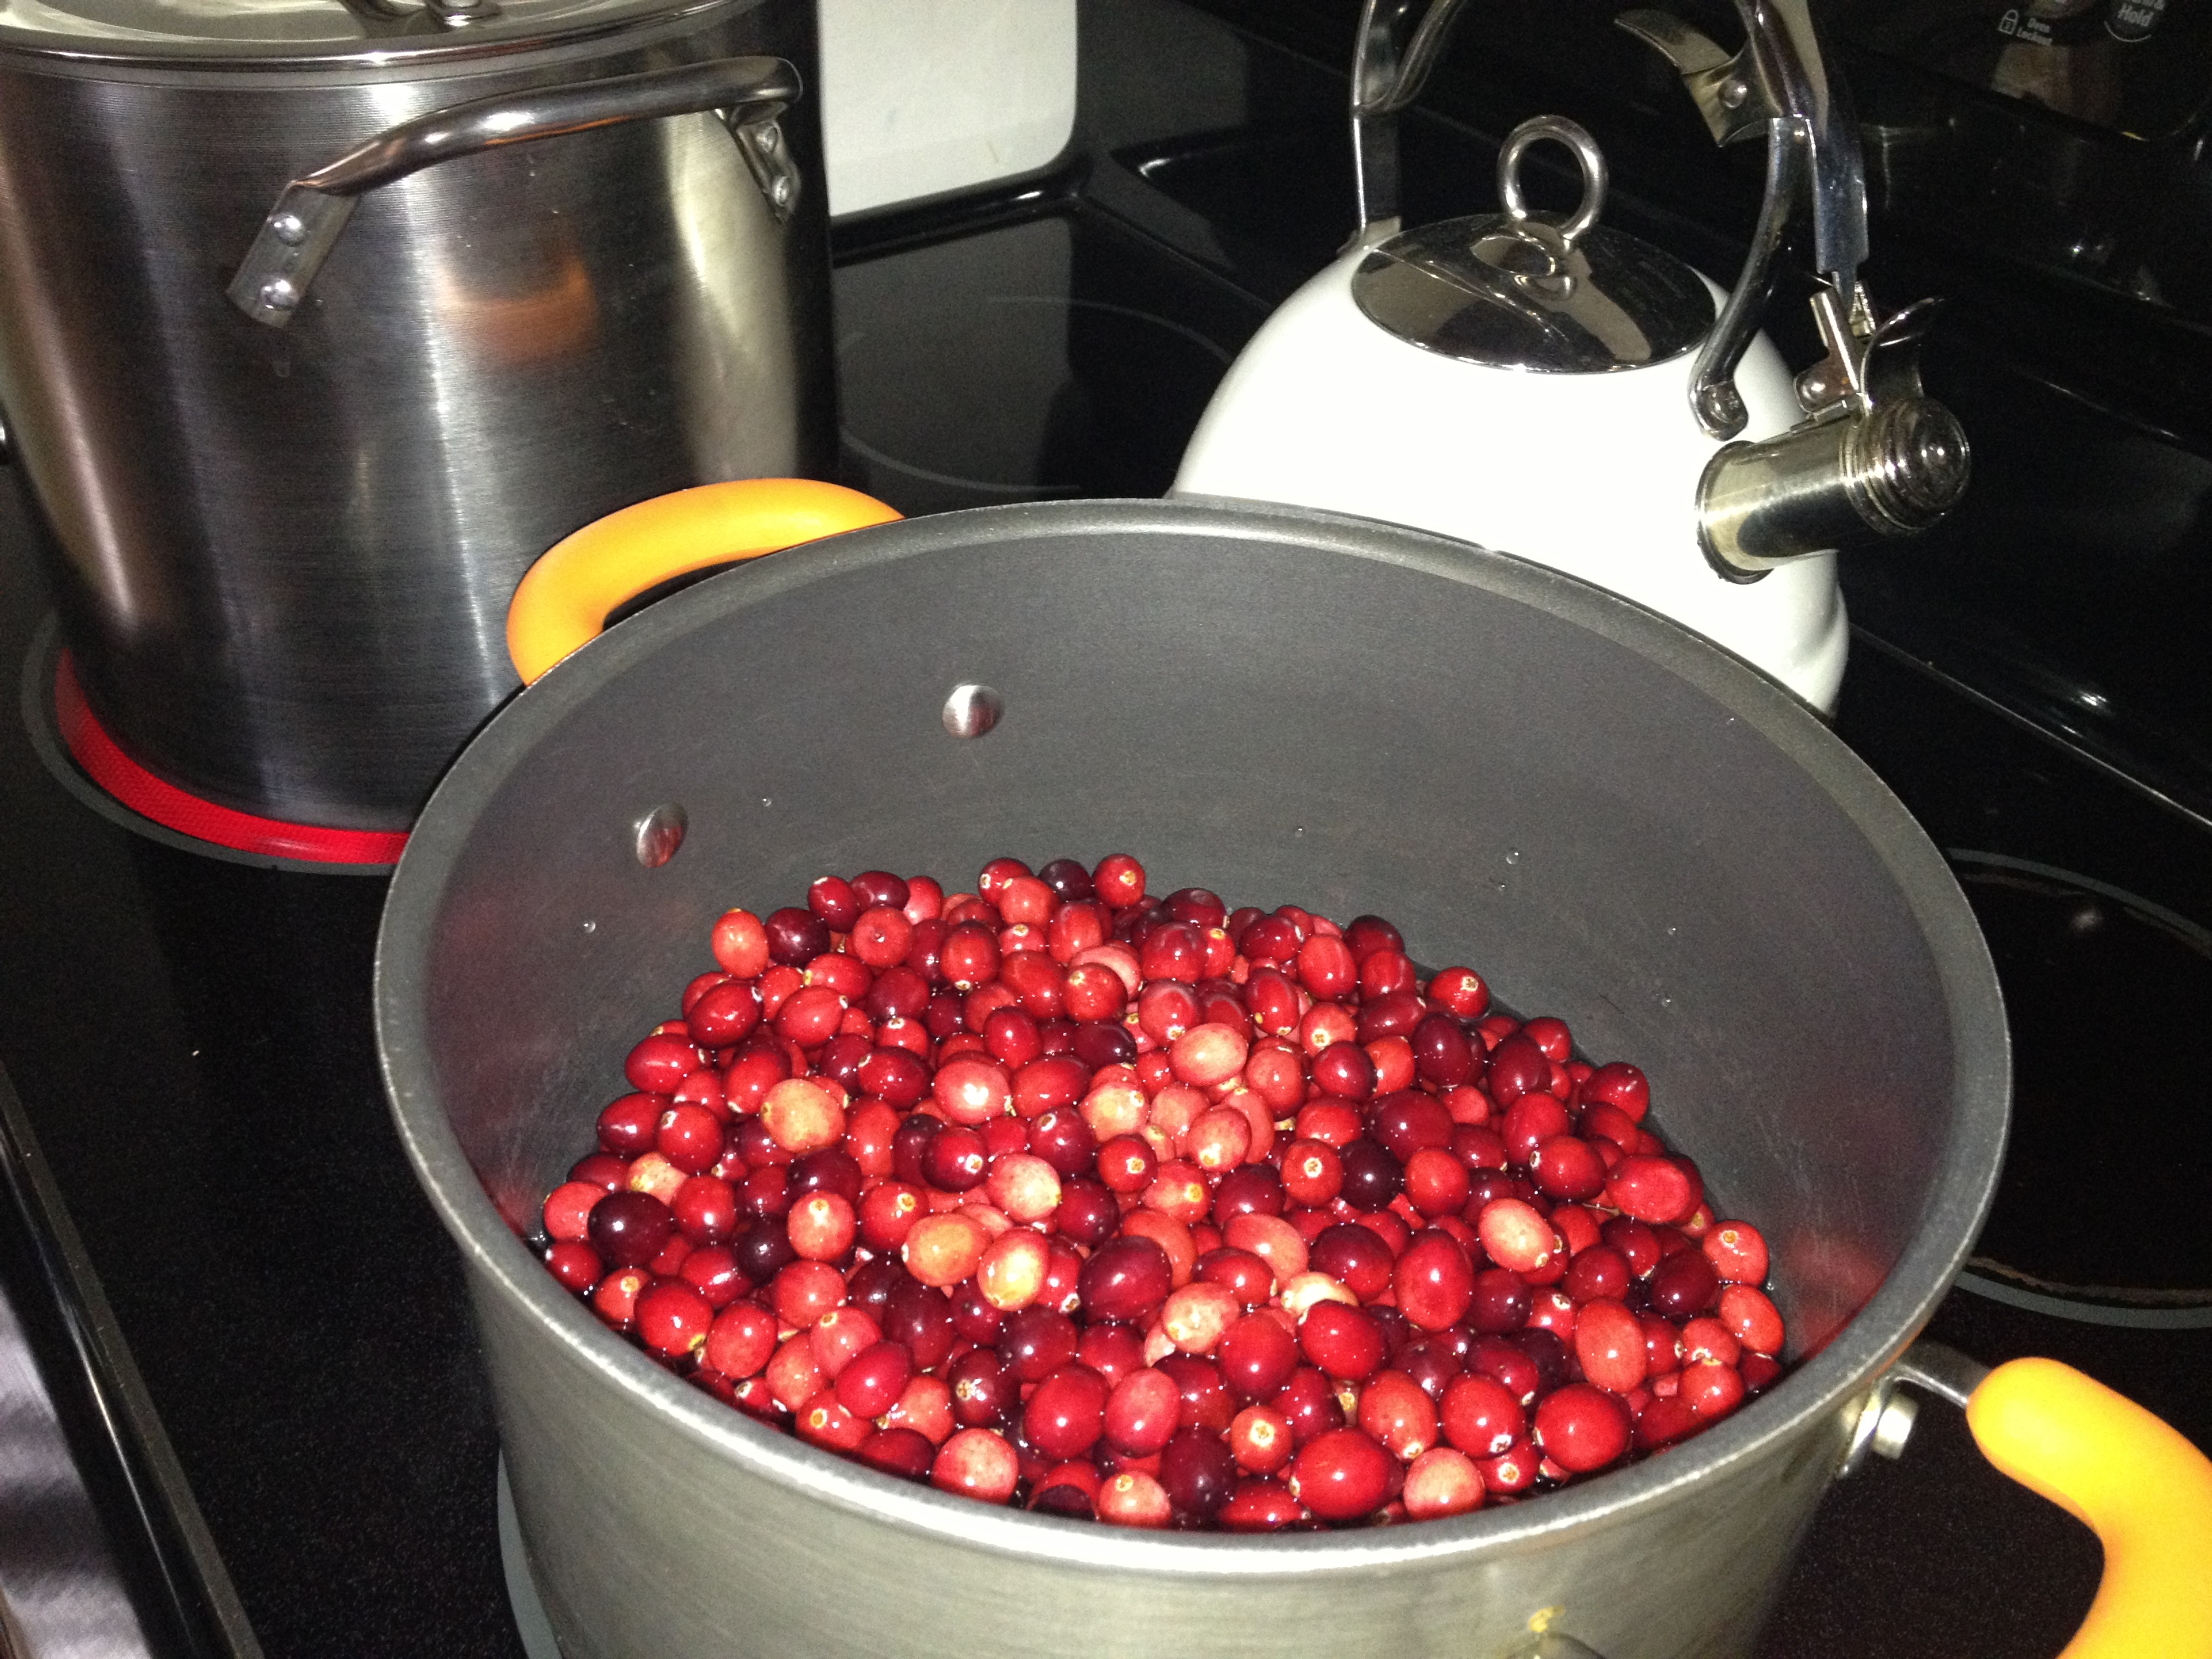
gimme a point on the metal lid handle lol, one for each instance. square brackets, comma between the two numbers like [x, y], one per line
[1588, 156]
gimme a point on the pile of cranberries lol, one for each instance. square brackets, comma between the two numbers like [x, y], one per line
[1146, 1210]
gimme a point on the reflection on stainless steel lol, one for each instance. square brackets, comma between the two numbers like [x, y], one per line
[103, 1554]
[305, 224]
[282, 557]
[1398, 43]
[1515, 291]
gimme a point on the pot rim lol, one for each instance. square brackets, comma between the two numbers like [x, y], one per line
[1826, 1383]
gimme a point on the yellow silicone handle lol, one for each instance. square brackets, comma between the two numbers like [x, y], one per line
[564, 598]
[2140, 1486]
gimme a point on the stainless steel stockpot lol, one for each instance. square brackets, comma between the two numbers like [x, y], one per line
[1615, 820]
[319, 322]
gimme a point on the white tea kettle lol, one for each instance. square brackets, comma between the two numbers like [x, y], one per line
[1559, 390]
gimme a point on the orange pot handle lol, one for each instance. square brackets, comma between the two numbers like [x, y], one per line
[2140, 1486]
[564, 598]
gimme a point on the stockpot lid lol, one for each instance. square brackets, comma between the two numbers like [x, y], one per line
[1524, 291]
[244, 33]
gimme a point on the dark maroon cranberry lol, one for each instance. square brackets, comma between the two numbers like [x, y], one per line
[831, 1169]
[944, 1016]
[1398, 1332]
[1555, 1361]
[1367, 935]
[1354, 1257]
[1063, 1140]
[1036, 1341]
[1206, 1402]
[1488, 1186]
[1372, 1177]
[1198, 1472]
[920, 1317]
[796, 937]
[926, 955]
[1391, 1016]
[763, 1250]
[881, 890]
[1431, 1364]
[1070, 882]
[1200, 908]
[630, 1229]
[909, 1141]
[899, 993]
[1508, 1364]
[904, 1452]
[1682, 1286]
[1099, 1045]
[1501, 1303]
[1308, 1403]
[869, 1286]
[1269, 939]
[841, 1060]
[1599, 1270]
[1088, 1213]
[765, 1193]
[1071, 1503]
[1441, 1053]
[1249, 1189]
[1408, 1120]
[1057, 1036]
[1343, 1069]
[955, 1159]
[974, 1318]
[1127, 1279]
[984, 1393]
[1517, 1067]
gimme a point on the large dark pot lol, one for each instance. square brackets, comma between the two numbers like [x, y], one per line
[1616, 821]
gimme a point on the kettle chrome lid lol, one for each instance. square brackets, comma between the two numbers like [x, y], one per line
[1517, 290]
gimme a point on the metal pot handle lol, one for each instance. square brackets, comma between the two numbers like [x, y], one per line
[749, 94]
[2139, 1484]
[564, 598]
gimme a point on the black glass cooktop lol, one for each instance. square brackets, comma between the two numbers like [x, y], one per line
[190, 1037]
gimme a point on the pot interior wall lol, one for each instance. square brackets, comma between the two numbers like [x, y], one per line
[1606, 818]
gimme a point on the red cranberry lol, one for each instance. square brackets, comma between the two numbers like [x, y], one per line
[1344, 1342]
[1065, 1416]
[1433, 1283]
[1308, 1404]
[672, 1319]
[1342, 1475]
[1441, 1055]
[764, 1250]
[1206, 1402]
[1517, 1067]
[1142, 1412]
[1257, 1357]
[984, 1393]
[1036, 1341]
[919, 1318]
[1343, 1069]
[1408, 1120]
[1582, 1428]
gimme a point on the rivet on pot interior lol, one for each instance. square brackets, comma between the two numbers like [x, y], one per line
[657, 834]
[972, 710]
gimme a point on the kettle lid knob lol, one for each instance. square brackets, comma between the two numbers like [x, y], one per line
[1541, 293]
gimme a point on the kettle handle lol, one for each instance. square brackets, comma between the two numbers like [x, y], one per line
[1398, 43]
[297, 236]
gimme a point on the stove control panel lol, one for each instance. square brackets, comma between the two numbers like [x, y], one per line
[2143, 67]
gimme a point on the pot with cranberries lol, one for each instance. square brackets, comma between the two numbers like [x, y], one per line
[1138, 1077]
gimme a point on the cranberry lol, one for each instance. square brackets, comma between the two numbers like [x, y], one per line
[1206, 1401]
[1517, 1067]
[1408, 1121]
[672, 1319]
[1342, 1475]
[977, 1463]
[1036, 1341]
[1433, 1282]
[1064, 1418]
[1141, 1411]
[1256, 1356]
[955, 1159]
[628, 1228]
[1372, 1177]
[1127, 1278]
[1308, 1404]
[1441, 1055]
[1346, 1342]
[1344, 1069]
[1198, 1473]
[796, 937]
[1087, 1212]
[1481, 1415]
[1683, 1286]
[1582, 1428]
